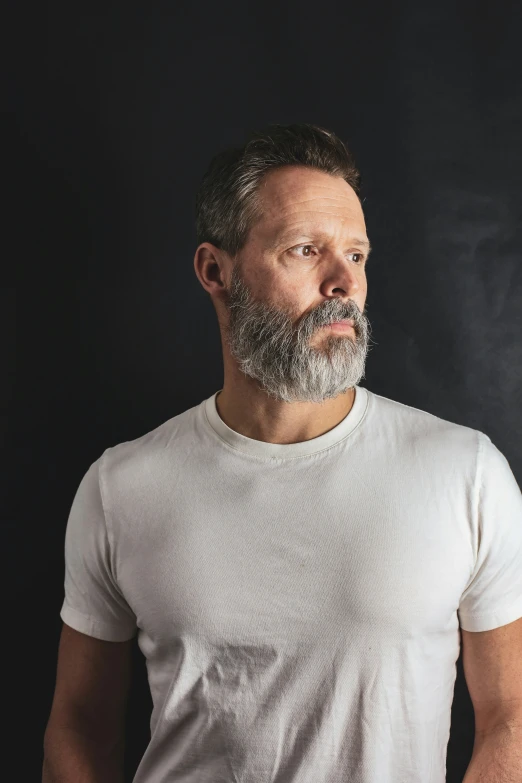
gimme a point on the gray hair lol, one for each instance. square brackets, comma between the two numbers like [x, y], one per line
[226, 202]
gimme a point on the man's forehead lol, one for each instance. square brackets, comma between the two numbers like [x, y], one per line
[311, 205]
[298, 189]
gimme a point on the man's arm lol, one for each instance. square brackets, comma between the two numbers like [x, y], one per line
[497, 756]
[84, 738]
[73, 755]
[492, 662]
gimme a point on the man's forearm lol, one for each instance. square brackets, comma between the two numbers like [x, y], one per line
[71, 755]
[497, 756]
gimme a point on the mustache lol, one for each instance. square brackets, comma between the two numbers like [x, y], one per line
[354, 314]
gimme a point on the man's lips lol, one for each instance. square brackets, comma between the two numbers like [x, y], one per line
[342, 327]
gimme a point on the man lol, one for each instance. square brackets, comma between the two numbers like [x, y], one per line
[296, 552]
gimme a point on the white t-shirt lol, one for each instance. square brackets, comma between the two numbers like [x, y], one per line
[298, 605]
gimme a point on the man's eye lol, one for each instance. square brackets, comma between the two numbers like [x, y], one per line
[306, 248]
[308, 254]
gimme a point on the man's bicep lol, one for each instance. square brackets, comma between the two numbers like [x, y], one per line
[92, 685]
[492, 662]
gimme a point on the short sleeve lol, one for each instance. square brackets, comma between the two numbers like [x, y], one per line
[93, 604]
[493, 596]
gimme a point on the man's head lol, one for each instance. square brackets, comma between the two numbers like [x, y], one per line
[282, 250]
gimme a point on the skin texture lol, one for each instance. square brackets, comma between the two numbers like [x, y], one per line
[492, 662]
[286, 378]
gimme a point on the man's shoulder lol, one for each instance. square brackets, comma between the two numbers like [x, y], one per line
[144, 455]
[416, 425]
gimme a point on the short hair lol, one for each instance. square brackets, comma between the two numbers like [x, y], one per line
[226, 201]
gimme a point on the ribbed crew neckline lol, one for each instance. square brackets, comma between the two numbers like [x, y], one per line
[259, 448]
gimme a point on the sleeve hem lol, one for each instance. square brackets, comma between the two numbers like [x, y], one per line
[488, 621]
[96, 628]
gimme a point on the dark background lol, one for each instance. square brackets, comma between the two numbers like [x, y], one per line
[113, 114]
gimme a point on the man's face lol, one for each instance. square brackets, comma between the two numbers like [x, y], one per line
[302, 268]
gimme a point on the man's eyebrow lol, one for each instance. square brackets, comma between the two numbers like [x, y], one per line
[363, 243]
